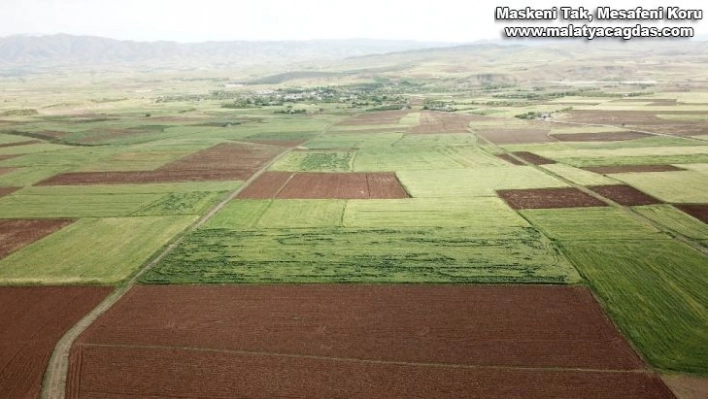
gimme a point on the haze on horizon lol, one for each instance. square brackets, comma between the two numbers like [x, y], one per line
[266, 20]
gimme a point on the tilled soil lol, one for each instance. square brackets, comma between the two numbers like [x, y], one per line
[18, 233]
[548, 198]
[625, 195]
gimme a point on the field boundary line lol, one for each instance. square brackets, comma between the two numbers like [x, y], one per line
[55, 377]
[644, 370]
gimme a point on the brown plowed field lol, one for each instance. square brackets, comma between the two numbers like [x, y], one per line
[342, 186]
[19, 143]
[18, 233]
[625, 195]
[548, 198]
[357, 340]
[32, 320]
[221, 162]
[6, 170]
[288, 185]
[157, 176]
[530, 157]
[698, 211]
[643, 120]
[516, 136]
[158, 373]
[510, 159]
[266, 185]
[442, 122]
[375, 118]
[604, 170]
[609, 136]
[8, 190]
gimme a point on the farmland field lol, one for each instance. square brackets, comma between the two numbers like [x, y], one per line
[474, 221]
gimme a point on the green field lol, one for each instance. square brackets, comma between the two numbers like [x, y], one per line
[674, 219]
[677, 187]
[221, 255]
[316, 161]
[103, 251]
[656, 292]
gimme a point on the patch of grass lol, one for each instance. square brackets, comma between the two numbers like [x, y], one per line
[579, 176]
[656, 293]
[683, 187]
[185, 203]
[398, 158]
[302, 213]
[477, 182]
[430, 255]
[592, 224]
[103, 251]
[674, 219]
[238, 214]
[20, 205]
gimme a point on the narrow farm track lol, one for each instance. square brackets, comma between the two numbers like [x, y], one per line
[54, 383]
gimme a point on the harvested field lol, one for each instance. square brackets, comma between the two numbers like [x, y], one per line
[327, 340]
[548, 198]
[698, 211]
[325, 186]
[533, 158]
[33, 320]
[19, 143]
[625, 195]
[516, 136]
[15, 234]
[226, 156]
[442, 122]
[374, 118]
[610, 136]
[510, 159]
[605, 170]
[267, 185]
[687, 386]
[8, 190]
[6, 170]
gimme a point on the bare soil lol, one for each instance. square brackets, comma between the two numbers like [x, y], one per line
[548, 198]
[609, 136]
[533, 158]
[6, 170]
[8, 190]
[698, 211]
[358, 340]
[687, 386]
[227, 156]
[19, 143]
[510, 159]
[18, 233]
[33, 319]
[517, 136]
[343, 186]
[625, 195]
[605, 170]
[266, 185]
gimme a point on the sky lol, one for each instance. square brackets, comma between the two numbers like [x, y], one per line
[216, 20]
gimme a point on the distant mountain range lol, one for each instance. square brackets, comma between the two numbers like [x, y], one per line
[70, 49]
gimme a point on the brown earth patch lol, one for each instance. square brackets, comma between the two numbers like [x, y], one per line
[375, 118]
[33, 319]
[221, 162]
[8, 190]
[698, 211]
[19, 143]
[516, 136]
[358, 340]
[342, 186]
[267, 185]
[4, 157]
[54, 134]
[138, 177]
[6, 170]
[111, 372]
[625, 195]
[532, 158]
[18, 233]
[510, 159]
[609, 136]
[605, 170]
[280, 143]
[548, 198]
[442, 122]
[687, 386]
